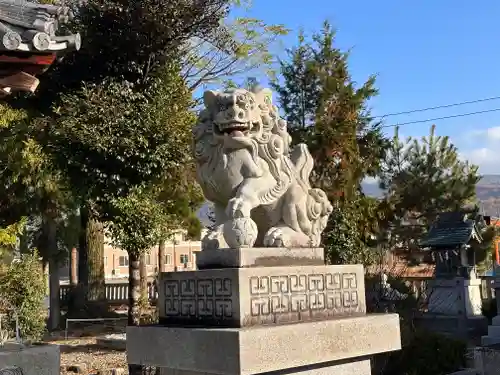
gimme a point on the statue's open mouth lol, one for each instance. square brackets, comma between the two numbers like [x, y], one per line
[237, 129]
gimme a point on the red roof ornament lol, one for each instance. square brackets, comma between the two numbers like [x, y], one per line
[29, 42]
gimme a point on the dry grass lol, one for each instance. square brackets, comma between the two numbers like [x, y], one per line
[81, 349]
[85, 353]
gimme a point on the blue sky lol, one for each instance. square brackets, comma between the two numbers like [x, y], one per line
[425, 53]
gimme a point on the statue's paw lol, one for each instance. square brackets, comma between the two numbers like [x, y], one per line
[240, 232]
[274, 238]
[238, 208]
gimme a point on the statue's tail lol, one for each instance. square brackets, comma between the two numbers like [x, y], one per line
[303, 161]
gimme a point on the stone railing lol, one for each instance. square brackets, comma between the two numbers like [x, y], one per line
[116, 292]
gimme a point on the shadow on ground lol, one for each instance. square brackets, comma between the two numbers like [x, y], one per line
[87, 348]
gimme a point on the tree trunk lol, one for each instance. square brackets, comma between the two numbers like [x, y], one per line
[83, 274]
[162, 254]
[91, 257]
[54, 291]
[45, 270]
[73, 271]
[95, 259]
[134, 294]
[143, 271]
[134, 289]
[50, 236]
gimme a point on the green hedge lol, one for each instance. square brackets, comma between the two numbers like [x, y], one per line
[489, 309]
[426, 353]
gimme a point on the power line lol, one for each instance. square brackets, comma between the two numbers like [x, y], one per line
[438, 107]
[441, 118]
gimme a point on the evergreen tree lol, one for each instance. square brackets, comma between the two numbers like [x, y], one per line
[127, 145]
[298, 89]
[421, 178]
[33, 187]
[329, 113]
[125, 45]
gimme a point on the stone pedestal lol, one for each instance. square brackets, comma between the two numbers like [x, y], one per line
[457, 296]
[260, 316]
[487, 360]
[31, 360]
[455, 307]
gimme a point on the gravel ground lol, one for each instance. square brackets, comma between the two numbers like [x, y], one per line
[89, 357]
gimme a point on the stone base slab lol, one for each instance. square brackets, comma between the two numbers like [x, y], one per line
[361, 367]
[259, 257]
[256, 350]
[487, 360]
[32, 360]
[243, 297]
[496, 321]
[493, 337]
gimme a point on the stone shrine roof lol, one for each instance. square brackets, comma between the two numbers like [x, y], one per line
[453, 229]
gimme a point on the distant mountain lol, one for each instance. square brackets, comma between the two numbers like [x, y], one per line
[487, 190]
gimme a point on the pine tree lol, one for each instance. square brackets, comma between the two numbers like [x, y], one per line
[423, 177]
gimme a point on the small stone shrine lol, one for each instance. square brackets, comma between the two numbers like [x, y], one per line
[455, 293]
[262, 299]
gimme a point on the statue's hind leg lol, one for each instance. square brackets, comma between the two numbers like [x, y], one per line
[284, 236]
[294, 227]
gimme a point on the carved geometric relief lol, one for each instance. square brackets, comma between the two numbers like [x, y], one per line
[301, 293]
[198, 298]
[271, 298]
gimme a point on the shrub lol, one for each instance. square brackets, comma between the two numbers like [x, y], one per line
[22, 288]
[427, 353]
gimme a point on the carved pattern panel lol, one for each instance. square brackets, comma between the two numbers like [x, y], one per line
[265, 299]
[198, 298]
[283, 294]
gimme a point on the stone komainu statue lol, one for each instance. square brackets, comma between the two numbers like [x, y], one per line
[259, 186]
